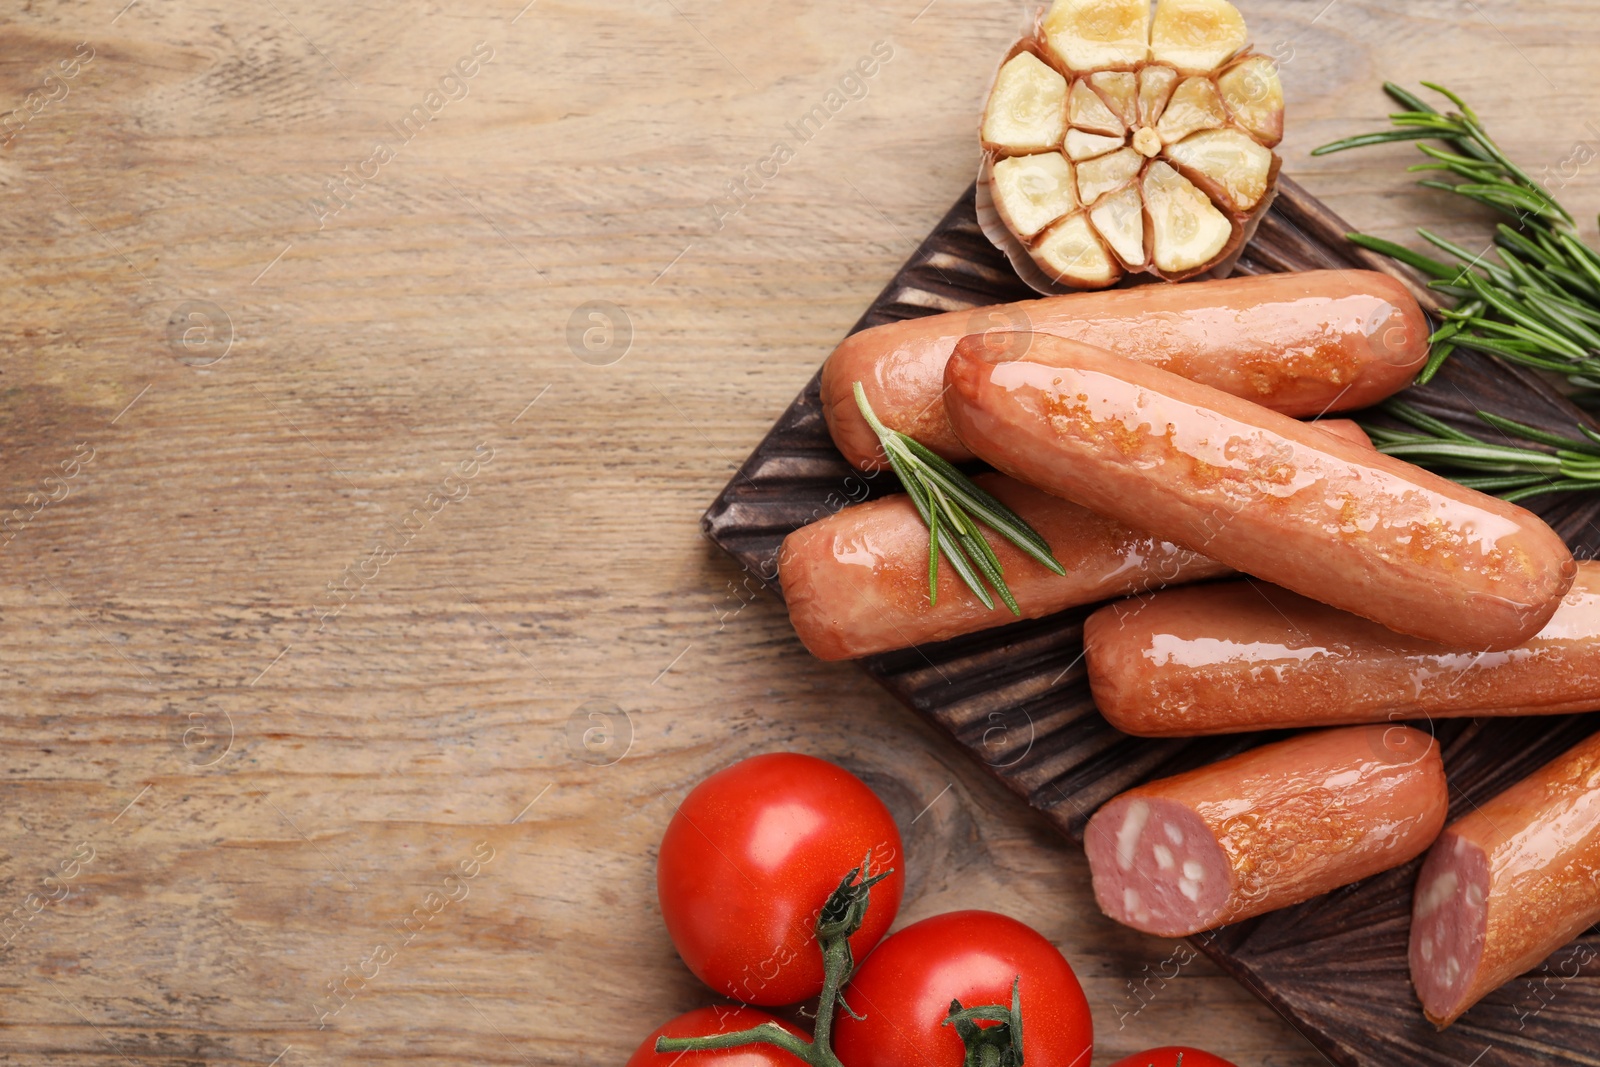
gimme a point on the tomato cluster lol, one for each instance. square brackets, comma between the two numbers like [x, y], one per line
[756, 866]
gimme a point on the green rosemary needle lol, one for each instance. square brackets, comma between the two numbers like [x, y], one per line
[1509, 471]
[1539, 306]
[951, 507]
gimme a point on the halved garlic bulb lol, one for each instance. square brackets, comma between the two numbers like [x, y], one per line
[1118, 139]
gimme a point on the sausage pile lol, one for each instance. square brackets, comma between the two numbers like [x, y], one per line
[1151, 437]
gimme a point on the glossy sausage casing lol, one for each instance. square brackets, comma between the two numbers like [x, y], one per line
[1269, 828]
[1250, 656]
[1258, 491]
[1508, 884]
[1302, 344]
[856, 582]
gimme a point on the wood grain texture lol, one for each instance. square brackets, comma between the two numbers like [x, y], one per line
[172, 595]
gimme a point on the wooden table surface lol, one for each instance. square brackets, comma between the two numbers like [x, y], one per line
[366, 369]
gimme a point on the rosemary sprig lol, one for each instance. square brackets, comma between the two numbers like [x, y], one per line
[1508, 471]
[951, 507]
[1539, 306]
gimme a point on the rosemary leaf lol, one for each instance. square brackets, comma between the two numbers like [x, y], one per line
[951, 507]
[1476, 457]
[1573, 326]
[1584, 313]
[985, 508]
[1436, 357]
[1406, 413]
[1407, 99]
[1496, 483]
[1472, 260]
[1533, 433]
[1361, 140]
[1509, 351]
[951, 551]
[1561, 486]
[1405, 255]
[1505, 236]
[1582, 257]
[1454, 99]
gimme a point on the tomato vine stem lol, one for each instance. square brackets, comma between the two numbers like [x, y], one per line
[999, 1045]
[841, 916]
[996, 1045]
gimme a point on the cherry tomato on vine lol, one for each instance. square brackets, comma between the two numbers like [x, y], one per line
[1172, 1056]
[750, 857]
[905, 987]
[704, 1021]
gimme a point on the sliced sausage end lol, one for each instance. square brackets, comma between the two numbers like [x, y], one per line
[1449, 921]
[1157, 867]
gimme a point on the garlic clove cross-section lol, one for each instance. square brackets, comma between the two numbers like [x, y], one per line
[1081, 145]
[1196, 35]
[1120, 90]
[1195, 105]
[1186, 228]
[1119, 219]
[1027, 108]
[1155, 89]
[1070, 250]
[1031, 192]
[1091, 35]
[1123, 140]
[1231, 167]
[1086, 111]
[1254, 98]
[1101, 175]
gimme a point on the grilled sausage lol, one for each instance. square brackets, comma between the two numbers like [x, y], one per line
[1508, 884]
[1302, 344]
[1250, 656]
[1259, 491]
[1269, 828]
[856, 582]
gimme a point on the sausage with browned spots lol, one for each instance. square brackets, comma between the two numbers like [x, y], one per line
[1507, 884]
[1271, 827]
[1303, 344]
[1241, 656]
[1258, 491]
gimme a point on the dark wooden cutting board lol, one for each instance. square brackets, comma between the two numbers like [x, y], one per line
[1017, 699]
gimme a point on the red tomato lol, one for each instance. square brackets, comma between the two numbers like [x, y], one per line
[703, 1021]
[1166, 1056]
[905, 987]
[748, 861]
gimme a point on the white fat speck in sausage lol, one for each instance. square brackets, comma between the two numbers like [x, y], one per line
[1265, 829]
[1507, 884]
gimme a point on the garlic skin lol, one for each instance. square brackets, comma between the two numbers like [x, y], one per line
[1122, 141]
